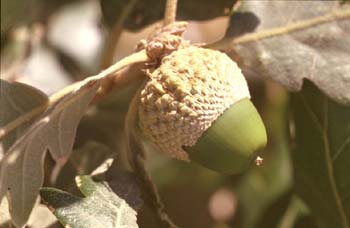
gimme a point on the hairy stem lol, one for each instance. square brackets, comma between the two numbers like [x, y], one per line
[170, 12]
[109, 72]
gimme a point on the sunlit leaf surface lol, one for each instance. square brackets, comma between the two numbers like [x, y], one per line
[21, 171]
[111, 204]
[320, 53]
[16, 99]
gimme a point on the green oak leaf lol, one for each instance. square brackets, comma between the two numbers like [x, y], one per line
[322, 156]
[111, 204]
[21, 168]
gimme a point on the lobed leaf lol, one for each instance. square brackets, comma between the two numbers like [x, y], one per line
[106, 204]
[17, 99]
[21, 171]
[320, 53]
[322, 156]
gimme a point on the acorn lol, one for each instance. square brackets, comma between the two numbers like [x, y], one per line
[196, 107]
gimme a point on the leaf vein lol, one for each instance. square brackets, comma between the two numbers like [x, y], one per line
[341, 148]
[330, 169]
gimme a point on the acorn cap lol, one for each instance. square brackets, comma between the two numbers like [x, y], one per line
[184, 96]
[234, 139]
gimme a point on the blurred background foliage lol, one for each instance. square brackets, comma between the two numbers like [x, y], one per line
[51, 43]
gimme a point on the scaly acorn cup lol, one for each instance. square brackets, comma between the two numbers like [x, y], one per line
[196, 106]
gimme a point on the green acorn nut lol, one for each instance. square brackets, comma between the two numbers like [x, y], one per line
[196, 106]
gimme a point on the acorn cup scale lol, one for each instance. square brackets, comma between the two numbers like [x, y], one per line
[196, 107]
